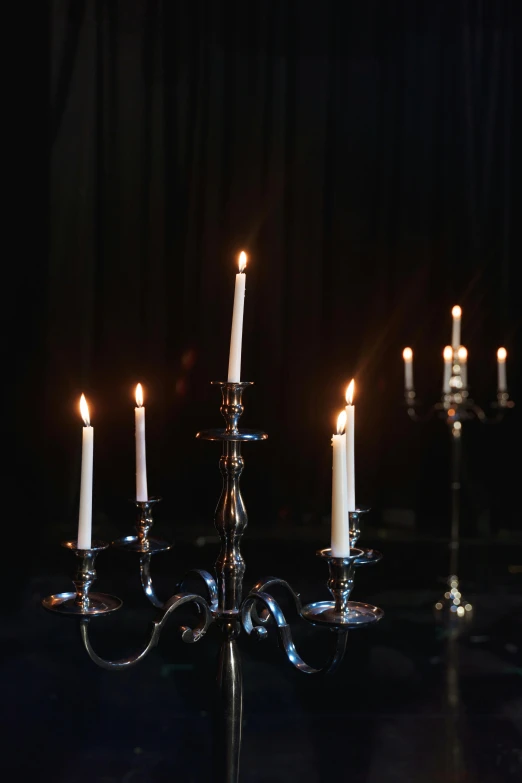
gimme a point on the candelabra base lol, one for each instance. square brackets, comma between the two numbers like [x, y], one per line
[67, 603]
[453, 605]
[147, 546]
[356, 614]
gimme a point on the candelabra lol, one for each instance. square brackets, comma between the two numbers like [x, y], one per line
[222, 600]
[455, 407]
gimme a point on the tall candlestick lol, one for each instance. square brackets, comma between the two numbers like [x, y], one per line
[85, 516]
[501, 365]
[455, 334]
[236, 335]
[340, 523]
[448, 364]
[350, 445]
[463, 362]
[141, 454]
[407, 355]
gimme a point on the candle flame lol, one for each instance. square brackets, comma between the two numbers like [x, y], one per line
[242, 261]
[349, 392]
[407, 354]
[139, 395]
[341, 423]
[456, 312]
[462, 353]
[448, 353]
[501, 354]
[84, 410]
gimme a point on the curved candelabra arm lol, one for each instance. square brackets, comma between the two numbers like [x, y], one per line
[252, 623]
[498, 415]
[210, 584]
[146, 581]
[189, 635]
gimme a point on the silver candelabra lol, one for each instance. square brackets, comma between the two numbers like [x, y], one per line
[456, 407]
[222, 600]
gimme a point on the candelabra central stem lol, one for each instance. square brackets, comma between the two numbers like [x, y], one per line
[456, 461]
[230, 521]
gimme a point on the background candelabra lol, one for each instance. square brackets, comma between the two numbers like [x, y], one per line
[222, 600]
[455, 407]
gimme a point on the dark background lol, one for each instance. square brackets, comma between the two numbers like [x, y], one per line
[367, 156]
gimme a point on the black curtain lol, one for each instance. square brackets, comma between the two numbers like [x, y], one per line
[367, 156]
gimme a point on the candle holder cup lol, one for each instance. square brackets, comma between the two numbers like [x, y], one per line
[367, 556]
[341, 613]
[141, 542]
[81, 602]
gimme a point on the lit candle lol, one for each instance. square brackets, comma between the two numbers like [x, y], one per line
[501, 364]
[141, 455]
[455, 334]
[350, 446]
[463, 362]
[448, 364]
[236, 336]
[85, 517]
[340, 525]
[407, 355]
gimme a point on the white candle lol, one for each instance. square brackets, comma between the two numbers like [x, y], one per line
[463, 362]
[350, 446]
[407, 355]
[340, 525]
[85, 516]
[448, 364]
[501, 365]
[236, 335]
[141, 455]
[455, 334]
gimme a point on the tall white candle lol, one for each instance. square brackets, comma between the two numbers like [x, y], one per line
[407, 355]
[455, 334]
[236, 335]
[501, 365]
[340, 525]
[141, 454]
[350, 445]
[85, 516]
[448, 364]
[463, 363]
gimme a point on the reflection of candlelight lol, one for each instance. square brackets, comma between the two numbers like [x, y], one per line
[501, 365]
[350, 445]
[340, 527]
[85, 515]
[141, 454]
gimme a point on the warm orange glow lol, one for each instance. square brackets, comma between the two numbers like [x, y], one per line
[407, 354]
[451, 412]
[341, 423]
[350, 391]
[84, 410]
[463, 353]
[139, 395]
[448, 353]
[501, 354]
[456, 312]
[242, 261]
